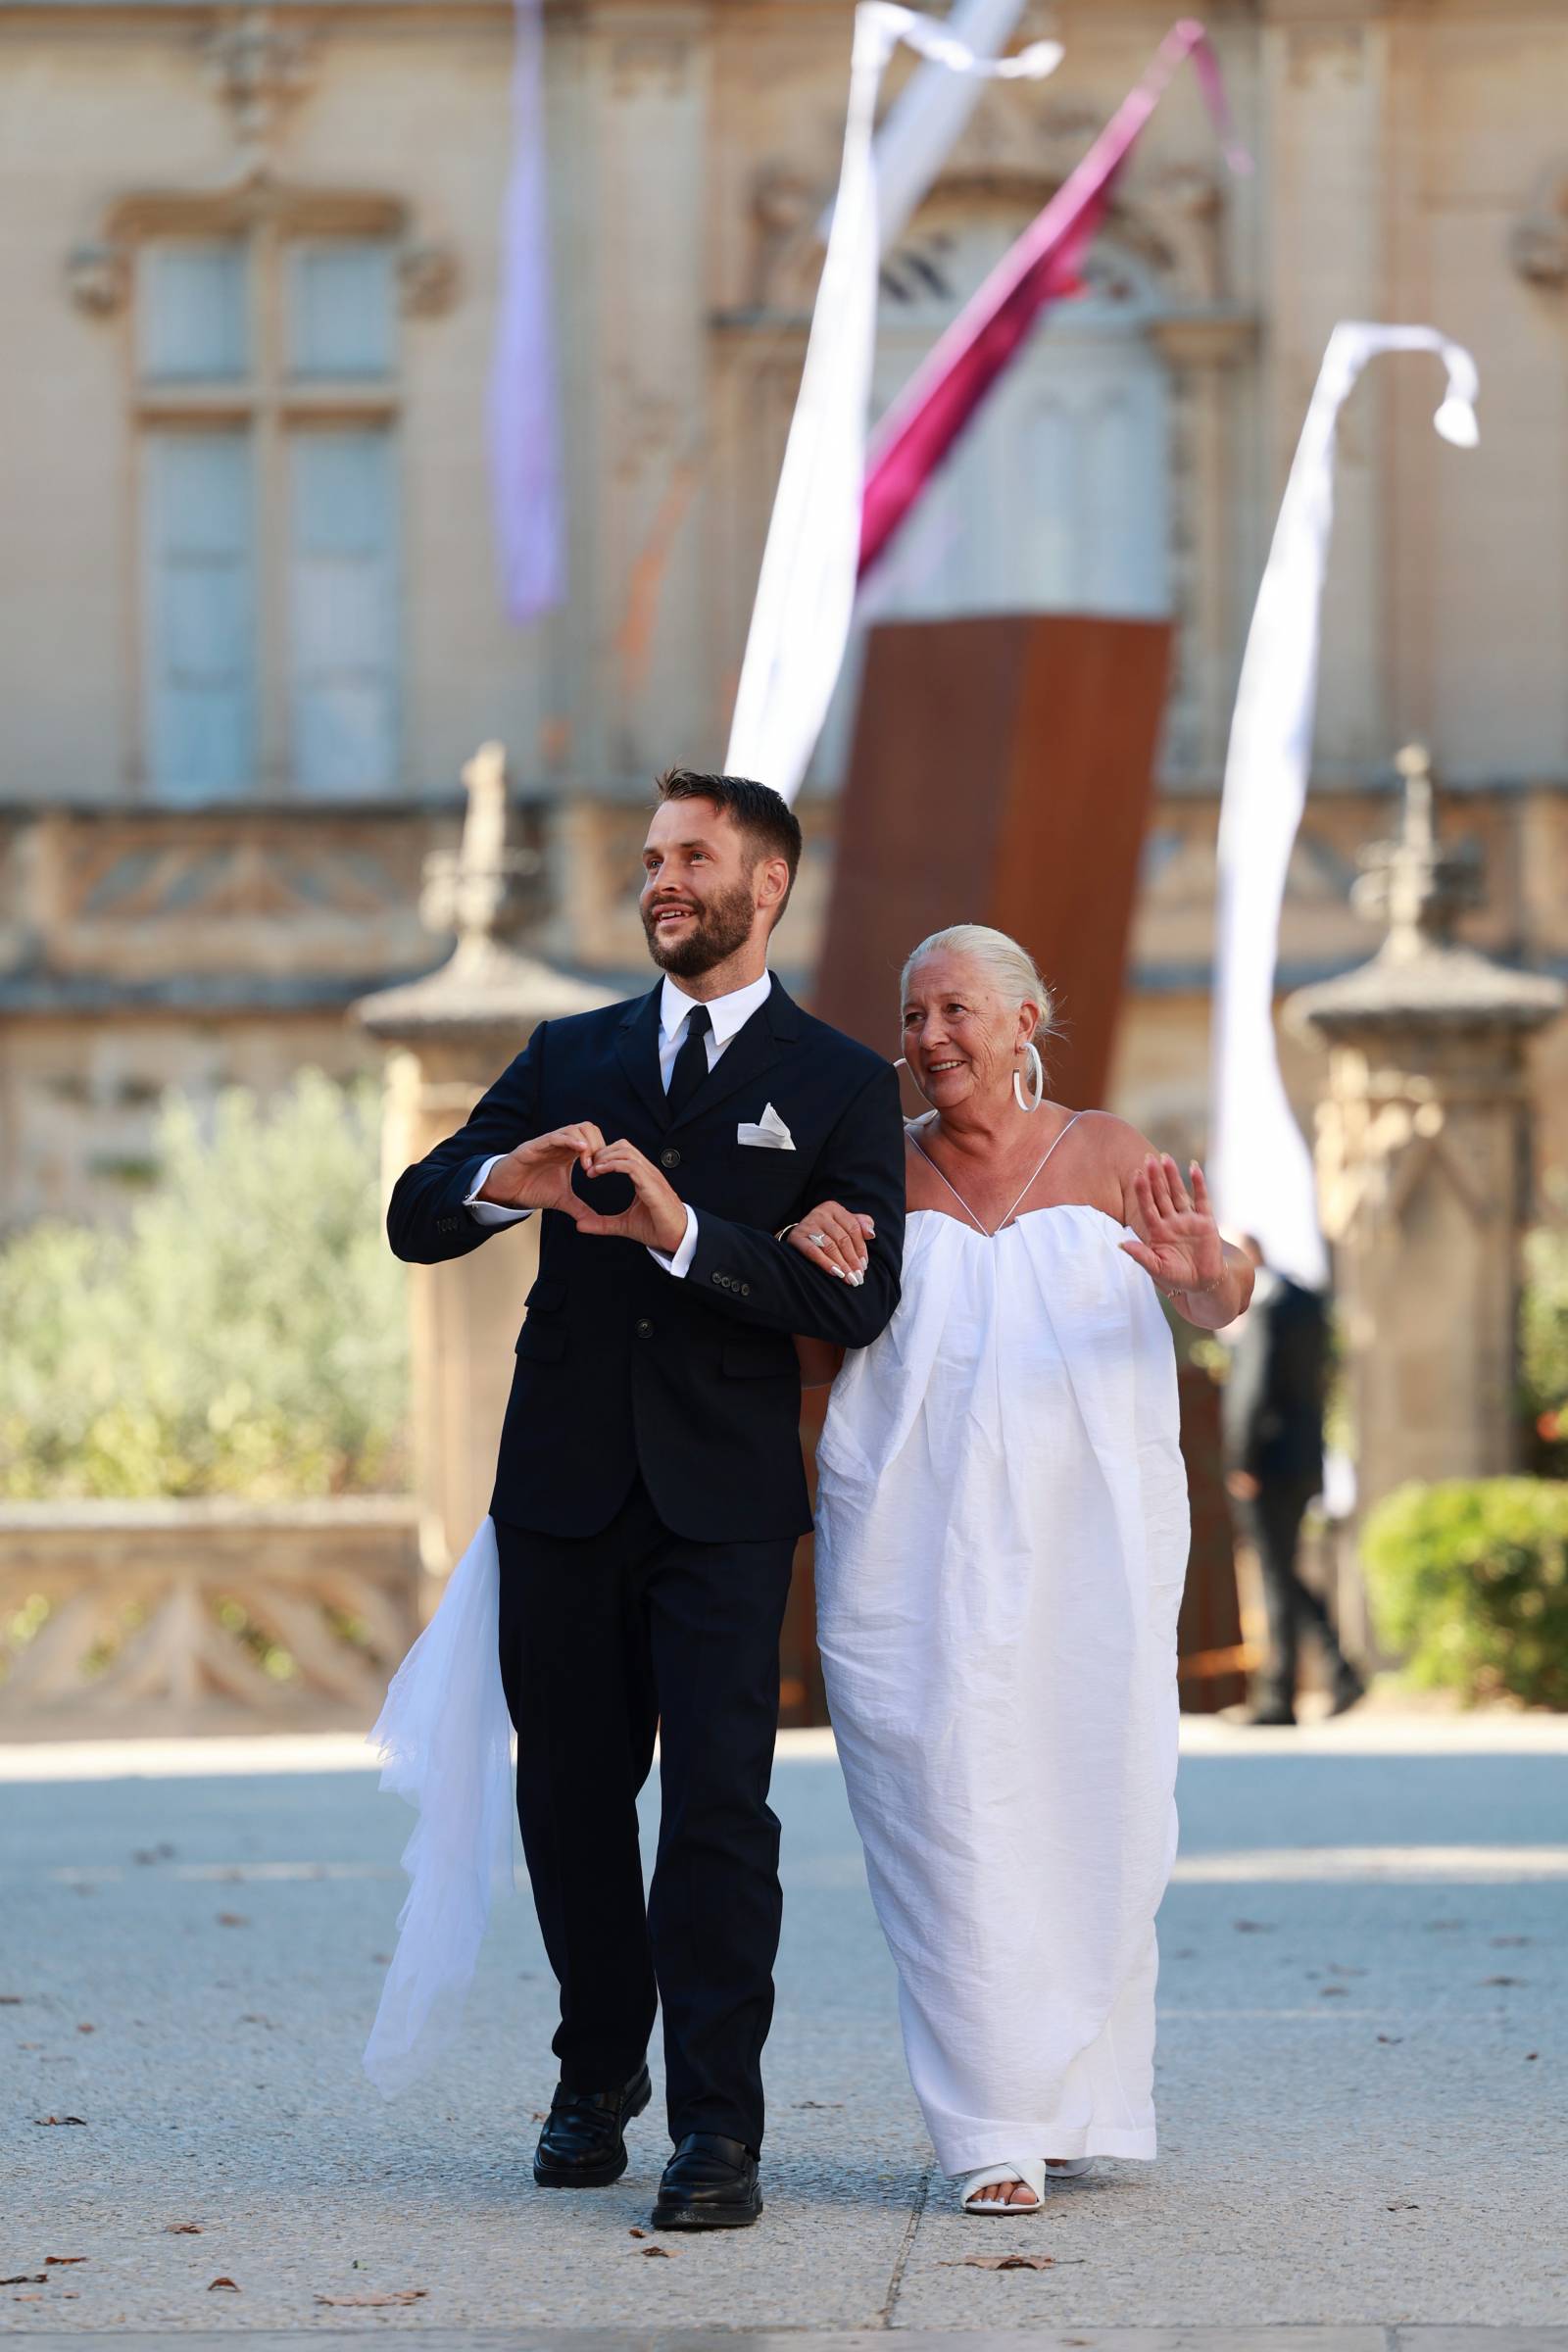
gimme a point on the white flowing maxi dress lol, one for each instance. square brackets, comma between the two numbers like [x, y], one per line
[1002, 1541]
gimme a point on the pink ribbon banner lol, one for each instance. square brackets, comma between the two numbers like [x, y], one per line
[947, 392]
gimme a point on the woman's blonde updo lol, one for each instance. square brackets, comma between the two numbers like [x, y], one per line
[1010, 968]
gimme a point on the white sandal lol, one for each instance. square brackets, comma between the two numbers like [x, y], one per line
[1029, 2173]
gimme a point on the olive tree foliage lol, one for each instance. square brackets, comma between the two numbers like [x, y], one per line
[246, 1335]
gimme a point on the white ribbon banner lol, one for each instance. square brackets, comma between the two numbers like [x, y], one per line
[1260, 1166]
[929, 117]
[806, 592]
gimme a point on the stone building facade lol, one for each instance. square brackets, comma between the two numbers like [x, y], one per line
[252, 628]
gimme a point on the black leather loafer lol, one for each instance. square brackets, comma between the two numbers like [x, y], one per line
[709, 2183]
[583, 2142]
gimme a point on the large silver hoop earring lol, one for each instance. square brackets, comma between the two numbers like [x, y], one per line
[1036, 1082]
[902, 1064]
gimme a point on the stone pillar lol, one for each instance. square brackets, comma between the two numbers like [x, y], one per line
[450, 1035]
[1204, 351]
[1423, 1164]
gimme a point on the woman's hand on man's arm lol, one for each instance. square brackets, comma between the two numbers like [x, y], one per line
[834, 1239]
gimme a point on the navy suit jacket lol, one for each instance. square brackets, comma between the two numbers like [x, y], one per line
[620, 1367]
[1273, 1400]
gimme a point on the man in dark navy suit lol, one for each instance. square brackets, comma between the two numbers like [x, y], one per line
[1273, 1426]
[650, 1488]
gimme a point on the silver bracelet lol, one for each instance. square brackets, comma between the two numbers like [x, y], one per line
[1201, 1290]
[785, 1230]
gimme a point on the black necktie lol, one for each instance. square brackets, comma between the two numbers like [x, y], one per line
[691, 1062]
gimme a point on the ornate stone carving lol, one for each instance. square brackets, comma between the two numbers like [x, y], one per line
[258, 70]
[1539, 244]
[222, 874]
[427, 280]
[786, 205]
[98, 278]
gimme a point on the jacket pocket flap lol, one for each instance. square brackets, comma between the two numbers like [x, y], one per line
[544, 1343]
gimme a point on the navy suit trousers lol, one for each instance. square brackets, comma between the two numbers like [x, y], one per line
[607, 1639]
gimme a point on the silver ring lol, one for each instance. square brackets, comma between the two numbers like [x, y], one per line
[819, 1239]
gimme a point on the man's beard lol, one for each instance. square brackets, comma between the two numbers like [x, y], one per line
[717, 930]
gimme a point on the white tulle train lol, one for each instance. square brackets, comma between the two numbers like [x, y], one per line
[445, 1741]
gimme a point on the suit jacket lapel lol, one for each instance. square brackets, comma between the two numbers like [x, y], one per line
[754, 1049]
[637, 1048]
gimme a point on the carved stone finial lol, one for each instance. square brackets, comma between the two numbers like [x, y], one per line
[1418, 888]
[1422, 976]
[259, 69]
[479, 890]
[490, 988]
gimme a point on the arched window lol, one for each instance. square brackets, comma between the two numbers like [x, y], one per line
[1058, 499]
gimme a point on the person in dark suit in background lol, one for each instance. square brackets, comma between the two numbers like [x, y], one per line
[1273, 1429]
[650, 1488]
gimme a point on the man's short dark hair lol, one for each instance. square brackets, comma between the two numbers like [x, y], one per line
[769, 823]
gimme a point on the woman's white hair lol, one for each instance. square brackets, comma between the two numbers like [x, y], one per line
[1009, 968]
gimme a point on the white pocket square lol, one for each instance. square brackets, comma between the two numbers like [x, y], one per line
[770, 1132]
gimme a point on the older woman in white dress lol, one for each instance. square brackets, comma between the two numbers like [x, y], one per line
[1002, 1541]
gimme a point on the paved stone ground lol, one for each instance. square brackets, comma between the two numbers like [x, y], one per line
[1364, 1993]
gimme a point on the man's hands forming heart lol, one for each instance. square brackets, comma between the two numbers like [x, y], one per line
[538, 1175]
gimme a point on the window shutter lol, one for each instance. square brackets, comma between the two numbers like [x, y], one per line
[199, 599]
[343, 612]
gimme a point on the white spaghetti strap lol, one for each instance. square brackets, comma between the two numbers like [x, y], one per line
[1040, 1171]
[989, 1231]
[952, 1187]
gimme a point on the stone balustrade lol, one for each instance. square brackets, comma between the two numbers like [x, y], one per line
[130, 1617]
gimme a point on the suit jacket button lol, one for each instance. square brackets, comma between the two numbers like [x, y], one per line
[644, 1328]
[746, 1289]
[669, 1159]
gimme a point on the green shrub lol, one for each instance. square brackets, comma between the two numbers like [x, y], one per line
[1544, 1346]
[246, 1336]
[1470, 1579]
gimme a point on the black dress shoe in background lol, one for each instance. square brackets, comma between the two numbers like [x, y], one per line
[583, 2142]
[709, 2183]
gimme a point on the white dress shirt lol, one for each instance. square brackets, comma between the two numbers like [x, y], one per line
[726, 1015]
